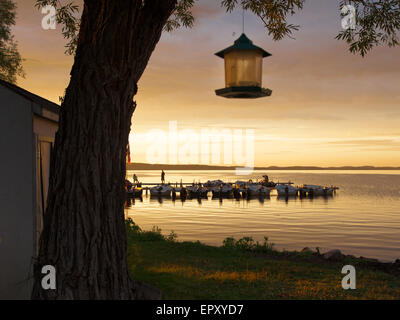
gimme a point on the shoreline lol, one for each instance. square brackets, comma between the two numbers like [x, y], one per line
[243, 269]
[249, 244]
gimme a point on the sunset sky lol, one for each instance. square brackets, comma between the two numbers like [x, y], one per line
[328, 106]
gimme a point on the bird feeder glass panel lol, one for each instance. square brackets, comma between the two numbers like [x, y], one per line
[243, 68]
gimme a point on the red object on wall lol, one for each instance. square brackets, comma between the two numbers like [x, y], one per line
[128, 154]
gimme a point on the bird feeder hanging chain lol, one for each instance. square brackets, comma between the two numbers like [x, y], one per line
[243, 19]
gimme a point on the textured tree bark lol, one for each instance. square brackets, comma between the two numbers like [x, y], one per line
[84, 231]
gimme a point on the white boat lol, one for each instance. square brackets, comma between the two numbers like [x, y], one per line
[135, 192]
[224, 190]
[255, 189]
[213, 185]
[286, 190]
[314, 190]
[161, 191]
[241, 185]
[197, 190]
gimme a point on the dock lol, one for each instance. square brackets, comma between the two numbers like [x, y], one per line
[154, 184]
[238, 189]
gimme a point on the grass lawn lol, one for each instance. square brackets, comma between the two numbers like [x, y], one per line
[246, 270]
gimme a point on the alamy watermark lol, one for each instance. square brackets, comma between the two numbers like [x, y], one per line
[349, 17]
[208, 146]
[49, 20]
[349, 281]
[348, 21]
[49, 280]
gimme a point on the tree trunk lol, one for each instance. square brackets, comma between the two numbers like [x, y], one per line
[84, 231]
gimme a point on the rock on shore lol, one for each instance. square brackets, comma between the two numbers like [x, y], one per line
[333, 255]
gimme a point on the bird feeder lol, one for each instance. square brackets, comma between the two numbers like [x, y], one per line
[243, 70]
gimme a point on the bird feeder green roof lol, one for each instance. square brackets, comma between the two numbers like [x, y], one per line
[243, 43]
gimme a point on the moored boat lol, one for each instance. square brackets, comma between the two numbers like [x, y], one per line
[135, 192]
[197, 190]
[255, 189]
[267, 183]
[286, 190]
[213, 184]
[161, 191]
[225, 190]
[313, 190]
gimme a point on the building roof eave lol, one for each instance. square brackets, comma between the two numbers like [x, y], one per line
[47, 106]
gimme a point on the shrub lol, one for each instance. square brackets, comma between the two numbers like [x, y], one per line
[229, 242]
[131, 226]
[172, 236]
[134, 232]
[248, 244]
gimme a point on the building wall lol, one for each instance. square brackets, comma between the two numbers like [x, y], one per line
[44, 127]
[17, 193]
[44, 131]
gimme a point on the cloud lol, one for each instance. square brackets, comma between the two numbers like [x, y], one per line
[206, 9]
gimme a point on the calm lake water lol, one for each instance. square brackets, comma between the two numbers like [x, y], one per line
[362, 219]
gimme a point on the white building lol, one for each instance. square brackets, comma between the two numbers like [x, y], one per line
[28, 124]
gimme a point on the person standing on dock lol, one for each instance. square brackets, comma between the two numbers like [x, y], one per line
[135, 178]
[162, 176]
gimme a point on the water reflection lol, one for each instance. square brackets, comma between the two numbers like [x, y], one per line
[159, 199]
[221, 201]
[132, 201]
[163, 199]
[260, 199]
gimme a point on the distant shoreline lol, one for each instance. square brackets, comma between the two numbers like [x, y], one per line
[146, 166]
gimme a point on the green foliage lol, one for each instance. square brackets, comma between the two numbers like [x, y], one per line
[172, 236]
[191, 270]
[132, 227]
[10, 59]
[377, 23]
[66, 16]
[273, 14]
[248, 244]
[62, 98]
[181, 17]
[134, 232]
